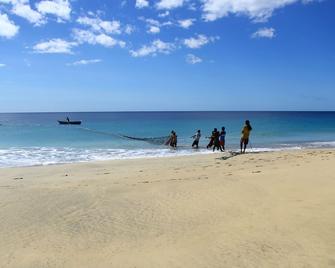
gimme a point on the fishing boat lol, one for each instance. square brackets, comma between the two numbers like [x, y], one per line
[67, 122]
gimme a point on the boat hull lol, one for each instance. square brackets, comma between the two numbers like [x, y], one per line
[69, 122]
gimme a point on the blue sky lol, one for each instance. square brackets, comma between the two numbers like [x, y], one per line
[60, 55]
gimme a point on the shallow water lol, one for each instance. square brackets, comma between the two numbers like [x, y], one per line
[37, 139]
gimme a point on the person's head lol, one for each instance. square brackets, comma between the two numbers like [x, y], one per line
[223, 128]
[198, 131]
[215, 129]
[247, 122]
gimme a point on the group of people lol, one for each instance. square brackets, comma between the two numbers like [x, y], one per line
[217, 140]
[172, 141]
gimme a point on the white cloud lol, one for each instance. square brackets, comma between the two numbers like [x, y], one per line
[85, 36]
[151, 21]
[169, 4]
[142, 3]
[57, 46]
[257, 10]
[164, 14]
[129, 29]
[154, 48]
[153, 29]
[59, 8]
[154, 26]
[2, 65]
[99, 25]
[192, 59]
[84, 62]
[187, 23]
[29, 14]
[264, 33]
[199, 41]
[8, 29]
[23, 9]
[192, 7]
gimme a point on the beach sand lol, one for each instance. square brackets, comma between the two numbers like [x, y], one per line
[255, 210]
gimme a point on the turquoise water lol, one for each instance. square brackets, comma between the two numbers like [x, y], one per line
[37, 139]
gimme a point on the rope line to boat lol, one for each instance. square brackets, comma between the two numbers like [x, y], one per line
[153, 140]
[102, 132]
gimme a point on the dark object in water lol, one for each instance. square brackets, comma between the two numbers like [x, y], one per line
[65, 122]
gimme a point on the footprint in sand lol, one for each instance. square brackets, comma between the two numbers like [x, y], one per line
[257, 171]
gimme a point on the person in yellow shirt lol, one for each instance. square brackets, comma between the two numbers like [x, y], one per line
[245, 136]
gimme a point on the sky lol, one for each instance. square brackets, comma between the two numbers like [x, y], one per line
[166, 55]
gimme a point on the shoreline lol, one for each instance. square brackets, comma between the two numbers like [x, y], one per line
[168, 153]
[272, 209]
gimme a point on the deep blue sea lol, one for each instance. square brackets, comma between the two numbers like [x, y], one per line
[37, 139]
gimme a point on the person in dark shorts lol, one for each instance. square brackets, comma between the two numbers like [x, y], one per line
[222, 139]
[216, 140]
[245, 136]
[196, 138]
[211, 138]
[173, 141]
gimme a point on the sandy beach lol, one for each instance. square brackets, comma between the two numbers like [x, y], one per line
[255, 210]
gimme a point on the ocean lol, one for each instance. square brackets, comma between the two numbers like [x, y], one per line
[28, 139]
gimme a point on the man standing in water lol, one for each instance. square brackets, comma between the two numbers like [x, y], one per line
[245, 136]
[196, 138]
[222, 139]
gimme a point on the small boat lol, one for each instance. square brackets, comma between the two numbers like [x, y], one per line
[66, 122]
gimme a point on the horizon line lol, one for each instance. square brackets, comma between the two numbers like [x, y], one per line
[163, 111]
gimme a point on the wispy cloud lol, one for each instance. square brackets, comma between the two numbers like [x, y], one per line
[99, 25]
[142, 3]
[54, 46]
[192, 59]
[84, 62]
[128, 29]
[154, 26]
[89, 37]
[154, 48]
[169, 4]
[153, 29]
[198, 41]
[257, 10]
[264, 33]
[187, 23]
[2, 65]
[164, 14]
[59, 8]
[8, 28]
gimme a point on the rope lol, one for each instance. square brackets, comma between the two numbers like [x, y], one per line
[153, 140]
[102, 132]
